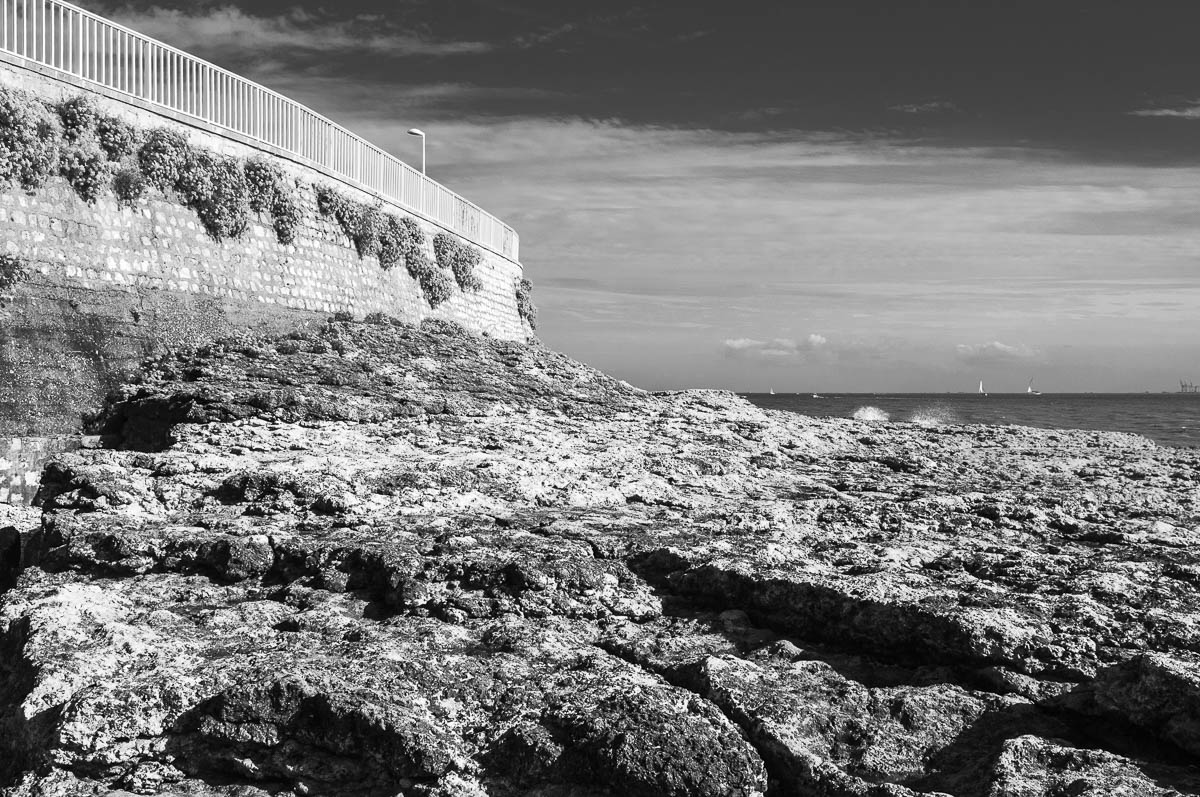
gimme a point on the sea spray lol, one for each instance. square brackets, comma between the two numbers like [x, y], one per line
[869, 414]
[933, 416]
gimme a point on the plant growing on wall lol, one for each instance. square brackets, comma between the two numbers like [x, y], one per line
[286, 215]
[401, 239]
[525, 306]
[460, 258]
[29, 139]
[216, 188]
[162, 156]
[370, 228]
[263, 179]
[435, 283]
[363, 224]
[78, 115]
[86, 168]
[129, 185]
[118, 138]
[391, 238]
[329, 201]
[13, 269]
[194, 177]
[225, 213]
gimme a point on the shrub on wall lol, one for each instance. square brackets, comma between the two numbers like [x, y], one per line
[263, 179]
[270, 191]
[368, 231]
[525, 306]
[12, 270]
[78, 115]
[162, 156]
[29, 139]
[194, 179]
[86, 168]
[401, 238]
[118, 138]
[393, 239]
[286, 215]
[362, 224]
[329, 201]
[460, 258]
[225, 213]
[129, 185]
[435, 283]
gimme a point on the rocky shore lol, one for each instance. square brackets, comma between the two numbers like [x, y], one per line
[376, 560]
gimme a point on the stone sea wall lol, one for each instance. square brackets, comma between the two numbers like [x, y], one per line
[107, 285]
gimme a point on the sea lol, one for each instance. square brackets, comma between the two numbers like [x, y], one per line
[1171, 419]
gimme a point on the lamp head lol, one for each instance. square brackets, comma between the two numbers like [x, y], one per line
[415, 132]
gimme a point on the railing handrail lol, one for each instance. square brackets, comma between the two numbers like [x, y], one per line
[502, 239]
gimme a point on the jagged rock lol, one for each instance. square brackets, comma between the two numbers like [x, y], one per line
[377, 559]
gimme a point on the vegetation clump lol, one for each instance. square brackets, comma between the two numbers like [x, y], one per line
[402, 239]
[460, 258]
[368, 230]
[263, 179]
[29, 139]
[117, 138]
[91, 149]
[129, 185]
[435, 283]
[286, 215]
[78, 115]
[13, 269]
[525, 306]
[225, 211]
[86, 168]
[393, 239]
[162, 156]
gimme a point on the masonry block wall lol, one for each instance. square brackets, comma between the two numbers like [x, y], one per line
[109, 285]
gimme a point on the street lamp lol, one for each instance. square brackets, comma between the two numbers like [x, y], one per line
[416, 132]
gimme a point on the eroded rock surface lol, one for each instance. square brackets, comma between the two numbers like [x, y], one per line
[377, 560]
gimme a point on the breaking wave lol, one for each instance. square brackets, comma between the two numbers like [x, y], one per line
[933, 416]
[869, 414]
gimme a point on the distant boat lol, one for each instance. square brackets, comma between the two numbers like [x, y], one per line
[771, 391]
[815, 395]
[1031, 391]
[981, 392]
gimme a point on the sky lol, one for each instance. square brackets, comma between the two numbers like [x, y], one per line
[832, 195]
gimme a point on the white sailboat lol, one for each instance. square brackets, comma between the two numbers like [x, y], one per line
[770, 391]
[1031, 391]
[981, 391]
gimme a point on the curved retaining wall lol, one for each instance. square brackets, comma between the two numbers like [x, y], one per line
[110, 285]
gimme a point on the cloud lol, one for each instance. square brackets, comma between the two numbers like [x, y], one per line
[542, 37]
[774, 349]
[228, 30]
[933, 106]
[995, 353]
[1189, 110]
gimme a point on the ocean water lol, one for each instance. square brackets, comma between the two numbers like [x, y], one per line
[1171, 419]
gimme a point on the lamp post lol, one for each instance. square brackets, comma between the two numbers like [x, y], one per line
[421, 135]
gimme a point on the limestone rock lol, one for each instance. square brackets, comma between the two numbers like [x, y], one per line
[378, 559]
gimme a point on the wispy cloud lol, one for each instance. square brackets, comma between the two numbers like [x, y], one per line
[1186, 110]
[995, 353]
[812, 348]
[929, 106]
[776, 349]
[209, 31]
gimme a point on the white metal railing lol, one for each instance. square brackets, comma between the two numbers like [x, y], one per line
[88, 47]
